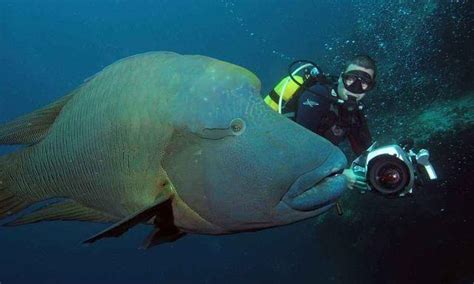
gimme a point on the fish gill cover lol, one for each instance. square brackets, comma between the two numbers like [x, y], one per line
[425, 91]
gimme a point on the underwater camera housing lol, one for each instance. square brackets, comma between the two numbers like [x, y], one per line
[394, 171]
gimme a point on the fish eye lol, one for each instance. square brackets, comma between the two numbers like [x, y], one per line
[238, 126]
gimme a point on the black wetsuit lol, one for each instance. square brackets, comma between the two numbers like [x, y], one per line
[321, 113]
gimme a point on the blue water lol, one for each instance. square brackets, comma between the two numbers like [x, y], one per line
[424, 52]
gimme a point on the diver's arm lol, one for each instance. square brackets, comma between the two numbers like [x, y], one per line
[360, 137]
[355, 181]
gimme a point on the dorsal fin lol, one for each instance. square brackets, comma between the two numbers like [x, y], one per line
[31, 128]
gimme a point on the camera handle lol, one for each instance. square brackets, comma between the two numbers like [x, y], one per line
[423, 159]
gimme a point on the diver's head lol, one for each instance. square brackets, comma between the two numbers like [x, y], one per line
[358, 78]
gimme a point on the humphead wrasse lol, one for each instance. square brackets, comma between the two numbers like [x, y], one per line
[184, 143]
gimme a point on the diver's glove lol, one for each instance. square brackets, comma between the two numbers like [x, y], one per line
[354, 180]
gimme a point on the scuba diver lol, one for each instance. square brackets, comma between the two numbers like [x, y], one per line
[328, 106]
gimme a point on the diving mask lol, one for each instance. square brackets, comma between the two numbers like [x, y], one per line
[357, 81]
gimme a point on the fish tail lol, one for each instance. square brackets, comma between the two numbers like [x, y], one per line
[11, 199]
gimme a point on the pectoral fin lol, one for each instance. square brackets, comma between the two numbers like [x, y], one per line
[123, 226]
[165, 231]
[161, 211]
[160, 236]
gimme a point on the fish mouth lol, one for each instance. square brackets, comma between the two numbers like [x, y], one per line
[320, 186]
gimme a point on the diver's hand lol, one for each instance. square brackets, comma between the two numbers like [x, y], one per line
[355, 181]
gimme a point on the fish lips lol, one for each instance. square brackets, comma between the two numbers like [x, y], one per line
[318, 187]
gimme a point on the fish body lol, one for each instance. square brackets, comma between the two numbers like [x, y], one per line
[182, 142]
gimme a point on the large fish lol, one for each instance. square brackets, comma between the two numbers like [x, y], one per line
[182, 142]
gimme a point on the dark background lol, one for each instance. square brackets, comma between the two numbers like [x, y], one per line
[425, 91]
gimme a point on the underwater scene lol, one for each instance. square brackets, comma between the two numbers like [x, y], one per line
[236, 141]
